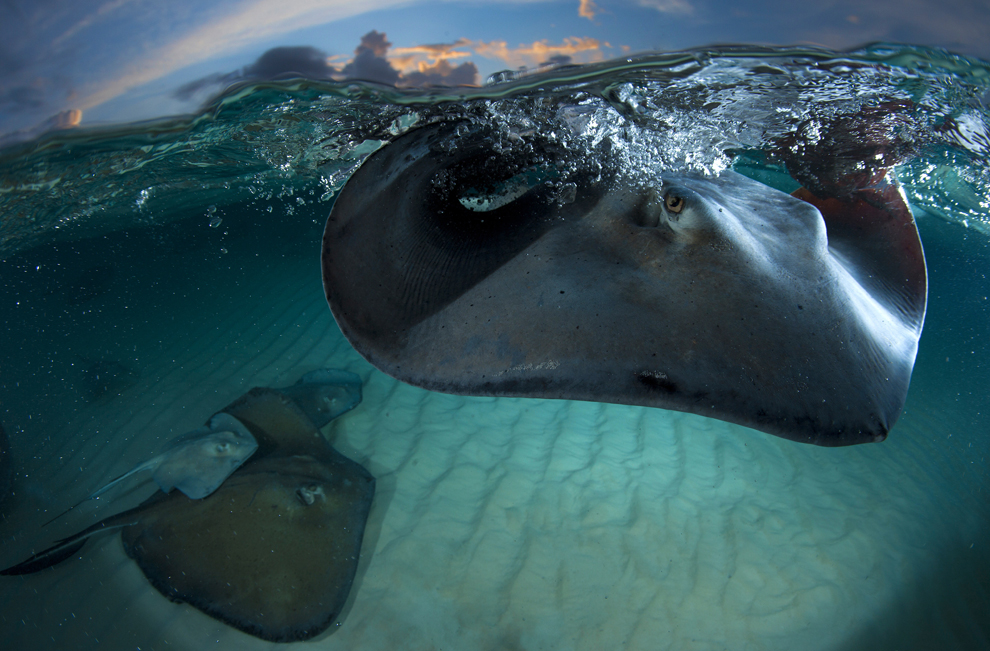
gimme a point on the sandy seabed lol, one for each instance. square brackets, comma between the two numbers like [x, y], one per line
[511, 523]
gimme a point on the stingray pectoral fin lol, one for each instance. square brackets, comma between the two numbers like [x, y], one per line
[273, 552]
[277, 423]
[876, 235]
[67, 547]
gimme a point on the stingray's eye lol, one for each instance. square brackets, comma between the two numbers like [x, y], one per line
[223, 448]
[674, 203]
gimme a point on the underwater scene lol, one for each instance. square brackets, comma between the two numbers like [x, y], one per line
[360, 416]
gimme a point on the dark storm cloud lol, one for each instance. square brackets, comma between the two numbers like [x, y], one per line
[369, 63]
[558, 60]
[290, 62]
[443, 74]
[187, 91]
[276, 63]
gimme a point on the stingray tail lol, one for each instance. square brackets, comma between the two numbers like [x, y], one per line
[105, 488]
[61, 550]
[51, 556]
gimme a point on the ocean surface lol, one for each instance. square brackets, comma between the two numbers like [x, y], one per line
[151, 273]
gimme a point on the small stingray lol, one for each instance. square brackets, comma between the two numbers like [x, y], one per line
[325, 393]
[459, 263]
[273, 551]
[196, 463]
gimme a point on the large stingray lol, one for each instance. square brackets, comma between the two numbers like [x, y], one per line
[273, 551]
[461, 265]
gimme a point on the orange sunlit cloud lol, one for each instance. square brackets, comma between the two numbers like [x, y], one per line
[434, 59]
[425, 57]
[587, 9]
[580, 49]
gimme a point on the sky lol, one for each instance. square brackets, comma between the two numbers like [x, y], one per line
[65, 63]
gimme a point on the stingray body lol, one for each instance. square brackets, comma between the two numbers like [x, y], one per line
[273, 551]
[717, 296]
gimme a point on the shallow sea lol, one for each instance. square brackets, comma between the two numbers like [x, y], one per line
[152, 273]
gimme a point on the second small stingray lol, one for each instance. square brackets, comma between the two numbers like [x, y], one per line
[196, 463]
[325, 393]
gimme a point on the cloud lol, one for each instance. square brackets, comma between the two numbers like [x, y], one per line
[415, 66]
[88, 20]
[574, 48]
[235, 27]
[33, 94]
[369, 62]
[373, 60]
[430, 64]
[668, 6]
[278, 62]
[408, 57]
[296, 61]
[587, 9]
[442, 74]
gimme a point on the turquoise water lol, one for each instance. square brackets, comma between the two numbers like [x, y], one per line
[153, 272]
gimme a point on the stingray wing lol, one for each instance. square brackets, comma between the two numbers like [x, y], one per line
[272, 552]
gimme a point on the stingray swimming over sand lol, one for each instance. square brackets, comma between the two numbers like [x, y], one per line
[462, 261]
[273, 550]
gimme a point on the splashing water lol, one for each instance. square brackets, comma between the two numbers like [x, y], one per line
[298, 141]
